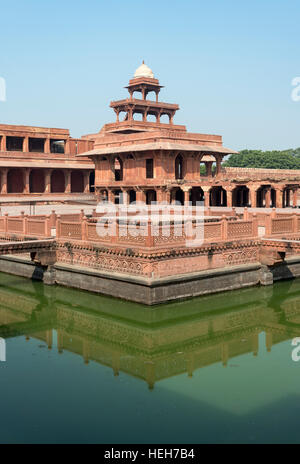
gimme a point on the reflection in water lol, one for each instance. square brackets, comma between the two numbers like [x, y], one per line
[150, 344]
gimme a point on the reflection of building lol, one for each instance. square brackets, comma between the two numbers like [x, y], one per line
[42, 160]
[144, 156]
[151, 345]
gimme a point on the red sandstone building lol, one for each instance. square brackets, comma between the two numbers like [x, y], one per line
[142, 157]
[36, 160]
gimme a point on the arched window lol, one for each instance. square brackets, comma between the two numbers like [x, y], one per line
[92, 181]
[118, 169]
[150, 196]
[179, 167]
[132, 196]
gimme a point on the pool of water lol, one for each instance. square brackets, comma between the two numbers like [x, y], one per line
[89, 369]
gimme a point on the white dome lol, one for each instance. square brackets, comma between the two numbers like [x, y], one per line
[144, 71]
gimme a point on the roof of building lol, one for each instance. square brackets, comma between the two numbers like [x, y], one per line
[144, 71]
[158, 146]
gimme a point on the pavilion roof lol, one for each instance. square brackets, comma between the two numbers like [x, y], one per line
[167, 146]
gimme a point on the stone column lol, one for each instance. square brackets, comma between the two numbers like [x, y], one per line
[208, 168]
[25, 145]
[229, 198]
[3, 143]
[4, 181]
[253, 198]
[268, 198]
[26, 180]
[140, 196]
[48, 181]
[206, 199]
[279, 198]
[67, 147]
[67, 181]
[159, 195]
[218, 166]
[186, 196]
[295, 198]
[111, 197]
[86, 181]
[125, 199]
[47, 146]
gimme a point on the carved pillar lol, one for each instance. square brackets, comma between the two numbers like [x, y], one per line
[218, 166]
[253, 198]
[279, 198]
[295, 198]
[47, 146]
[207, 199]
[268, 198]
[4, 181]
[140, 196]
[125, 199]
[68, 181]
[67, 147]
[229, 198]
[26, 180]
[111, 197]
[26, 144]
[48, 181]
[117, 112]
[186, 196]
[208, 168]
[3, 143]
[86, 181]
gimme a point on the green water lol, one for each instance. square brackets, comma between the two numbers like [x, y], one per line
[90, 369]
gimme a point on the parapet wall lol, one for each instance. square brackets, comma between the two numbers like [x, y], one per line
[261, 174]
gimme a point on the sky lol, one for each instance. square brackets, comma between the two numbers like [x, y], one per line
[229, 64]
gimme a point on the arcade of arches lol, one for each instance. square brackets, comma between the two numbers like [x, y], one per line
[35, 180]
[263, 196]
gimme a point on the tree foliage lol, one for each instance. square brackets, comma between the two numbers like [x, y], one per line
[285, 159]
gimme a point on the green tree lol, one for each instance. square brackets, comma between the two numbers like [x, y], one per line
[285, 159]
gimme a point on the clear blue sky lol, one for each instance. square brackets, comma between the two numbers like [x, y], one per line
[229, 64]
